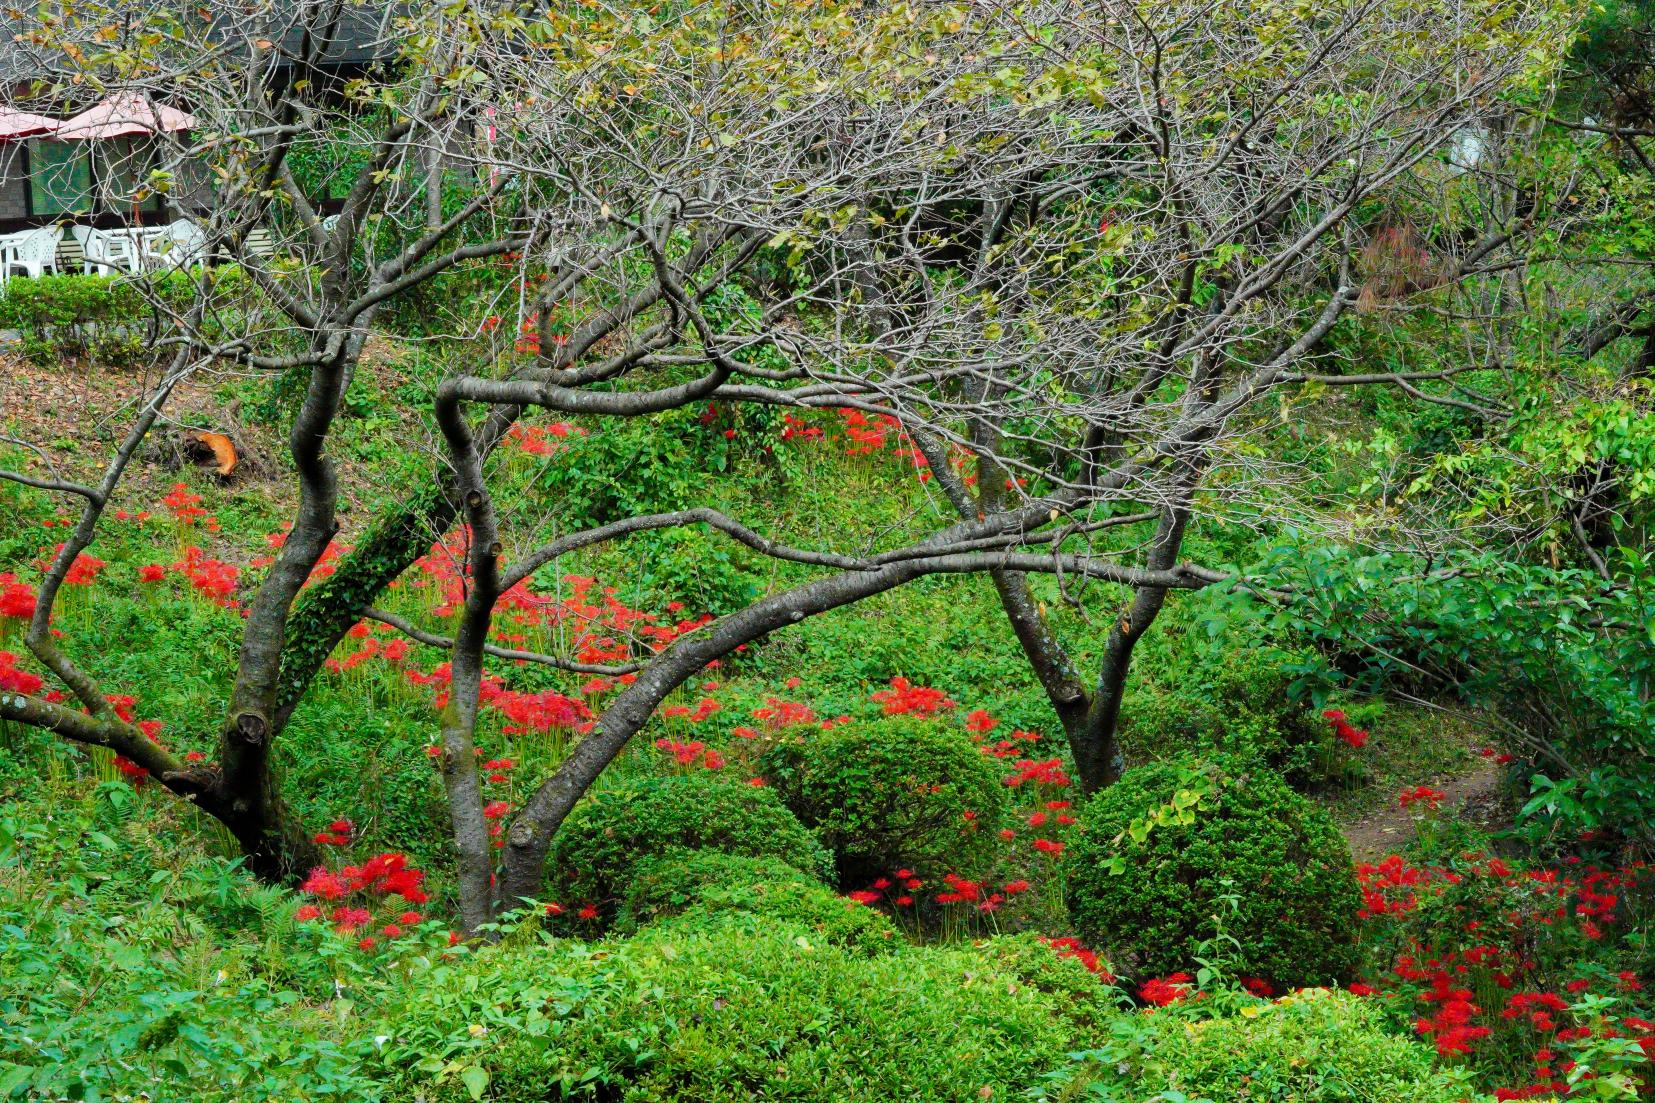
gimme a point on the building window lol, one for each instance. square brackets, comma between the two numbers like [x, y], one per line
[60, 177]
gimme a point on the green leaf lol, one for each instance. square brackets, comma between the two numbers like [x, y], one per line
[475, 1079]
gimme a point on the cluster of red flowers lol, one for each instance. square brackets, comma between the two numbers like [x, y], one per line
[1072, 947]
[867, 435]
[598, 627]
[906, 699]
[1423, 795]
[1450, 1023]
[371, 647]
[13, 680]
[1009, 748]
[213, 579]
[185, 508]
[1046, 772]
[703, 709]
[1488, 988]
[1344, 730]
[687, 754]
[84, 570]
[960, 890]
[385, 881]
[528, 337]
[125, 708]
[17, 599]
[339, 833]
[793, 427]
[326, 563]
[778, 715]
[1163, 991]
[542, 440]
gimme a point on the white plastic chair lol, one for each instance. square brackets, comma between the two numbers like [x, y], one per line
[34, 251]
[175, 245]
[106, 251]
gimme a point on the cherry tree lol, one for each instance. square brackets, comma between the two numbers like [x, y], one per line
[1077, 252]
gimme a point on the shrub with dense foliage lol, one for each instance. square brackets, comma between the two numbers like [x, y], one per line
[1314, 1045]
[898, 792]
[598, 847]
[731, 1007]
[1167, 843]
[709, 881]
[106, 319]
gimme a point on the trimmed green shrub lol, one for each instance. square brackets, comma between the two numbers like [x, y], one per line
[1316, 1045]
[595, 850]
[892, 794]
[1082, 996]
[723, 1008]
[707, 881]
[1245, 706]
[103, 318]
[1168, 840]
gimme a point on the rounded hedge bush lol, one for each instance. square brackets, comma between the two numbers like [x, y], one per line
[703, 882]
[594, 852]
[1148, 894]
[892, 794]
[1086, 999]
[1315, 1044]
[724, 1008]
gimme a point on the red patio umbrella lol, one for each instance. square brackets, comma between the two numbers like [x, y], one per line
[21, 124]
[123, 114]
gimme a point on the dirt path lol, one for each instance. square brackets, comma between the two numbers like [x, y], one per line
[1474, 795]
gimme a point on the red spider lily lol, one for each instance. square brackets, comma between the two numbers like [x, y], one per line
[213, 578]
[184, 506]
[1047, 846]
[1343, 729]
[17, 599]
[960, 890]
[1422, 794]
[151, 572]
[1049, 772]
[1163, 991]
[84, 570]
[778, 714]
[323, 885]
[1071, 947]
[130, 770]
[905, 698]
[14, 680]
